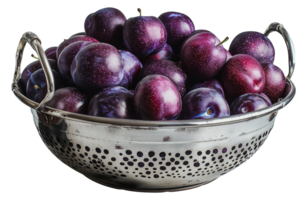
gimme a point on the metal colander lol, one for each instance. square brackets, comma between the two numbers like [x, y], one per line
[150, 156]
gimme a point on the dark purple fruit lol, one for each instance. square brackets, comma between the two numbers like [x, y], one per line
[67, 42]
[210, 83]
[144, 36]
[242, 74]
[178, 26]
[204, 103]
[203, 56]
[67, 56]
[169, 69]
[51, 53]
[97, 66]
[275, 81]
[112, 102]
[266, 97]
[248, 103]
[191, 35]
[70, 99]
[166, 53]
[157, 98]
[106, 25]
[286, 90]
[37, 86]
[254, 44]
[78, 34]
[131, 67]
[31, 68]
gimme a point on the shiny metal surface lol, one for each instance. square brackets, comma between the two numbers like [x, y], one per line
[144, 155]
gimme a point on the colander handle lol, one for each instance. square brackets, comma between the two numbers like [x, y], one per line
[290, 46]
[35, 43]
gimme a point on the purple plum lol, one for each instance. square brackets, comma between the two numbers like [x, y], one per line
[266, 97]
[178, 26]
[131, 67]
[144, 35]
[275, 81]
[203, 56]
[247, 103]
[51, 53]
[33, 67]
[70, 99]
[209, 83]
[97, 66]
[157, 98]
[191, 35]
[242, 74]
[169, 69]
[113, 102]
[78, 34]
[106, 25]
[67, 42]
[37, 86]
[254, 44]
[67, 56]
[204, 103]
[166, 53]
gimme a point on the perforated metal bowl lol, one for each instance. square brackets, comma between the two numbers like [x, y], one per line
[150, 155]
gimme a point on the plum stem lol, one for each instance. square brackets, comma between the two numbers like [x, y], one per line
[33, 56]
[140, 11]
[224, 40]
[37, 87]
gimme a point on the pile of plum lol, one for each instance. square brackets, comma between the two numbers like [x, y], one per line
[157, 69]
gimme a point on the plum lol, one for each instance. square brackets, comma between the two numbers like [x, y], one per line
[67, 42]
[131, 67]
[166, 53]
[144, 35]
[31, 68]
[156, 98]
[275, 81]
[78, 34]
[209, 83]
[97, 66]
[247, 103]
[254, 44]
[106, 25]
[204, 103]
[266, 97]
[203, 56]
[242, 74]
[51, 53]
[70, 99]
[178, 26]
[37, 85]
[67, 56]
[169, 69]
[191, 35]
[113, 102]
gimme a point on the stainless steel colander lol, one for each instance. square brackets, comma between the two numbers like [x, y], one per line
[150, 156]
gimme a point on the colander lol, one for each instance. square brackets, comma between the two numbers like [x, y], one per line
[151, 156]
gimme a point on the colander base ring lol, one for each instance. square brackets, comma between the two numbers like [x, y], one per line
[149, 190]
